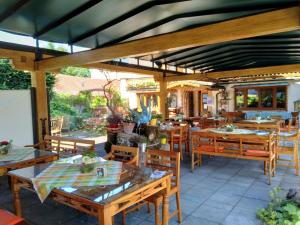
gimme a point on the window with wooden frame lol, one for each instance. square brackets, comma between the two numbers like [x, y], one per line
[261, 98]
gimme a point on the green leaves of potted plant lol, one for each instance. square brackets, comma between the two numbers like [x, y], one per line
[128, 124]
[89, 158]
[155, 118]
[5, 146]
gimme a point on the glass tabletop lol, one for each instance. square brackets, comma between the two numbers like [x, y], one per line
[30, 155]
[132, 179]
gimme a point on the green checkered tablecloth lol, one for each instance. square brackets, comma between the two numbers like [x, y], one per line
[17, 154]
[68, 175]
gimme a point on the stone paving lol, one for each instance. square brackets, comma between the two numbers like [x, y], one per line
[222, 191]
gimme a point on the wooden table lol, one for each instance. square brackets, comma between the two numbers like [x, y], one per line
[102, 202]
[36, 157]
[170, 132]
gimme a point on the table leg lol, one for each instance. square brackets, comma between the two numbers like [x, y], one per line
[16, 194]
[165, 213]
[105, 217]
[172, 141]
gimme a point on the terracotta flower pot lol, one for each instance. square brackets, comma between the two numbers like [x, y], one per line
[128, 127]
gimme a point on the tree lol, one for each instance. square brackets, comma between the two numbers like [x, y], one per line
[12, 79]
[70, 70]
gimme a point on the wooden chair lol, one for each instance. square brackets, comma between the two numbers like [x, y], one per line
[182, 137]
[166, 161]
[124, 154]
[56, 125]
[7, 218]
[251, 147]
[64, 146]
[288, 146]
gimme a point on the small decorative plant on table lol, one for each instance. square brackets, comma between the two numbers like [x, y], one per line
[5, 146]
[229, 127]
[89, 158]
[258, 116]
[163, 139]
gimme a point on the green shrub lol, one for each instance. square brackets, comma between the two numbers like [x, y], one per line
[280, 211]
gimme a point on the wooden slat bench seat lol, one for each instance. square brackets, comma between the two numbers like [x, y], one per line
[65, 146]
[250, 146]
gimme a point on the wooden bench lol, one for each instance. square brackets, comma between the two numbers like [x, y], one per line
[252, 147]
[65, 146]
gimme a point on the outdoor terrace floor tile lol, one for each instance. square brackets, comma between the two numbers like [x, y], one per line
[221, 191]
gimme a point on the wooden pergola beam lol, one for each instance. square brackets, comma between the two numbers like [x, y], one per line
[270, 70]
[255, 71]
[250, 26]
[125, 69]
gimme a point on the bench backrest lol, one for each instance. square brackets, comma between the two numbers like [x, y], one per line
[240, 144]
[67, 145]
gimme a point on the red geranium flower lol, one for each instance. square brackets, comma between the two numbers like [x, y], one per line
[4, 142]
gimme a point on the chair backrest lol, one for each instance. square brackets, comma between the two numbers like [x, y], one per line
[125, 154]
[166, 161]
[67, 145]
[56, 124]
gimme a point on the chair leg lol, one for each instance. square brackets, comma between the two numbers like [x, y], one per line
[296, 159]
[148, 207]
[193, 159]
[178, 207]
[270, 171]
[265, 167]
[180, 149]
[124, 217]
[156, 210]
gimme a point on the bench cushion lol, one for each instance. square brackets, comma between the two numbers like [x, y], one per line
[210, 148]
[260, 153]
[8, 218]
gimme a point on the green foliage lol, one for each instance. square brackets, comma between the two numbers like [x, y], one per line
[76, 71]
[11, 79]
[73, 71]
[116, 99]
[97, 101]
[146, 83]
[61, 105]
[280, 211]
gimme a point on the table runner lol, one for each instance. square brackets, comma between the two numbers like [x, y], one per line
[16, 154]
[235, 131]
[68, 175]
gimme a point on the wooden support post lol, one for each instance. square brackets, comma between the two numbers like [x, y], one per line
[163, 97]
[38, 81]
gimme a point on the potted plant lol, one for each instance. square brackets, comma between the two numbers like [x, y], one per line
[128, 124]
[5, 146]
[155, 118]
[229, 127]
[258, 116]
[114, 120]
[163, 139]
[89, 158]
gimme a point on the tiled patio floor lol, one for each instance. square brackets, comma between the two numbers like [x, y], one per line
[222, 191]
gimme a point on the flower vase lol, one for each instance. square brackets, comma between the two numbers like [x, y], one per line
[142, 154]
